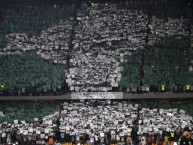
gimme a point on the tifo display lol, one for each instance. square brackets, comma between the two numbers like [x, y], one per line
[102, 122]
[96, 47]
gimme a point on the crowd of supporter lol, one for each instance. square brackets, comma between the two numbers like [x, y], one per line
[102, 39]
[172, 27]
[53, 43]
[97, 45]
[102, 122]
[29, 31]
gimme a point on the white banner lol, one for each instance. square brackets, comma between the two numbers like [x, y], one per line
[97, 95]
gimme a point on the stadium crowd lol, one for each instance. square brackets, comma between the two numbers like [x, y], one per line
[97, 44]
[102, 122]
[105, 35]
[51, 44]
[104, 48]
[102, 39]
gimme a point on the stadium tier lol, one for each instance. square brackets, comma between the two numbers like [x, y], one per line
[97, 47]
[97, 122]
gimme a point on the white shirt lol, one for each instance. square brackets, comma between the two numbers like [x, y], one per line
[96, 137]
